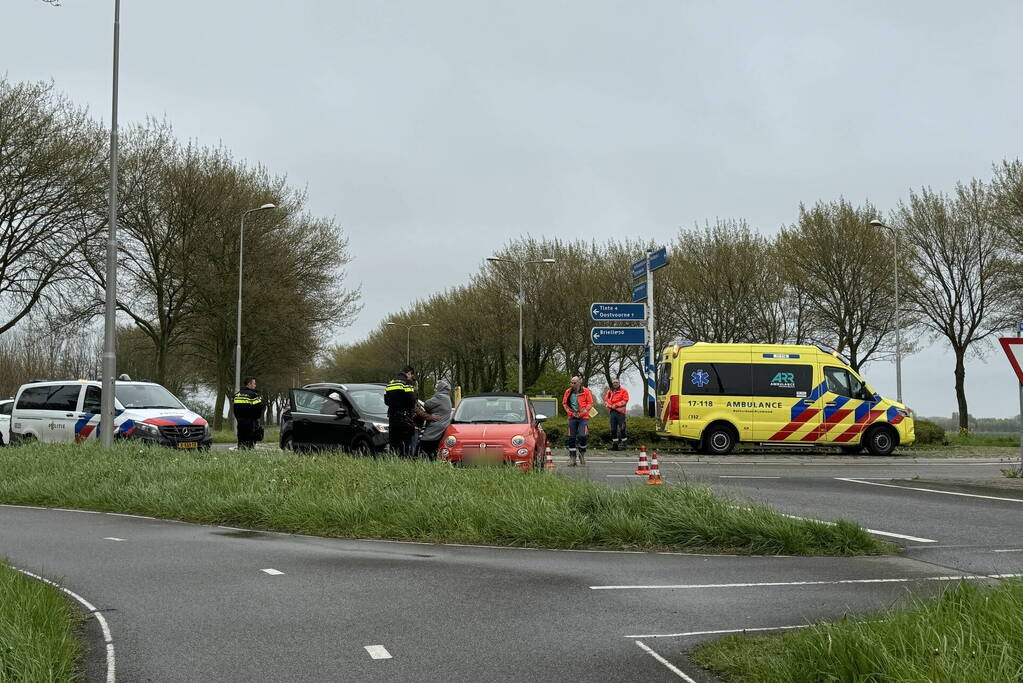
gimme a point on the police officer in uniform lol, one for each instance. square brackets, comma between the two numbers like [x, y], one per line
[248, 411]
[402, 410]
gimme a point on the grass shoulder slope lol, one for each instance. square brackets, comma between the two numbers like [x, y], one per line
[346, 497]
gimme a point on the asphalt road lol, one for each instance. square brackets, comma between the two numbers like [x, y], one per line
[187, 602]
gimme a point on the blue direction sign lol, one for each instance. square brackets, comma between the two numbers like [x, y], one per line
[639, 269]
[632, 336]
[659, 258]
[639, 292]
[612, 311]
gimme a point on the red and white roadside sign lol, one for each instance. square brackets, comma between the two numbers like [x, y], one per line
[1013, 347]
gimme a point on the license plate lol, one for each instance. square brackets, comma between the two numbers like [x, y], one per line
[484, 456]
[188, 444]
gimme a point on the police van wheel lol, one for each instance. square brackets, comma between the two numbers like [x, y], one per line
[718, 440]
[881, 440]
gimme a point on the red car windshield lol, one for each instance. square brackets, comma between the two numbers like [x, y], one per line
[491, 409]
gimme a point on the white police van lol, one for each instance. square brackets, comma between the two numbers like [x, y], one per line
[67, 411]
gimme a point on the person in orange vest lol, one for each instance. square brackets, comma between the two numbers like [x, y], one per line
[578, 402]
[617, 401]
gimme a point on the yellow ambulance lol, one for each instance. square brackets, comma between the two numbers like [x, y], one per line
[714, 396]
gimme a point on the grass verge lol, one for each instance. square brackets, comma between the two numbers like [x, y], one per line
[271, 435]
[965, 634]
[348, 497]
[37, 631]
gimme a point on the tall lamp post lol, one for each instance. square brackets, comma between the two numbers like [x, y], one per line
[408, 337]
[898, 323]
[241, 261]
[522, 297]
[106, 433]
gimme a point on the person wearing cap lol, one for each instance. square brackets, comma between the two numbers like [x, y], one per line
[617, 401]
[332, 404]
[578, 402]
[402, 409]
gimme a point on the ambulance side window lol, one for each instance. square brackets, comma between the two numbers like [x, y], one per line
[784, 381]
[663, 379]
[717, 379]
[843, 383]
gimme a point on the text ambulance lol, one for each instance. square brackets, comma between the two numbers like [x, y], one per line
[717, 395]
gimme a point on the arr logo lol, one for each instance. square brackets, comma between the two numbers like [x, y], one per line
[784, 378]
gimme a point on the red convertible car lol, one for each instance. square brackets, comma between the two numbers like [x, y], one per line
[495, 429]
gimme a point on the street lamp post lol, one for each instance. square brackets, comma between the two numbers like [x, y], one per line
[522, 297]
[408, 338]
[106, 409]
[898, 322]
[241, 261]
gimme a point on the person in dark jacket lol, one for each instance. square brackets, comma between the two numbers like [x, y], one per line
[248, 411]
[402, 409]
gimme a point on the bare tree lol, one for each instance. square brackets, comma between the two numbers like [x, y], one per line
[958, 285]
[51, 185]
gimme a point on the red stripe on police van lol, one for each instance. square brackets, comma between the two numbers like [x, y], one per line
[826, 426]
[858, 427]
[789, 429]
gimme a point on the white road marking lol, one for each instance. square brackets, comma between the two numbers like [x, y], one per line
[112, 538]
[721, 632]
[107, 637]
[1009, 550]
[122, 514]
[774, 584]
[918, 488]
[272, 572]
[743, 476]
[378, 652]
[671, 667]
[84, 512]
[869, 531]
[626, 476]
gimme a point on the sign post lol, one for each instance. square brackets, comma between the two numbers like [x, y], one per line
[1013, 347]
[654, 259]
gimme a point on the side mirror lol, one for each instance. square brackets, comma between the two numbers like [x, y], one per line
[540, 418]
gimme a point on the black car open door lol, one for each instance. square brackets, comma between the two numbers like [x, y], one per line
[318, 421]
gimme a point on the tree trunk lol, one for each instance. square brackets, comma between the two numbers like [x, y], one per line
[960, 373]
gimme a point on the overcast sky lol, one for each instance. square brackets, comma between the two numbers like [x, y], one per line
[435, 131]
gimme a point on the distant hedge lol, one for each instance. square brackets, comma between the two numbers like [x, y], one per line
[928, 433]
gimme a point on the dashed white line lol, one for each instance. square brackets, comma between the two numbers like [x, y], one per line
[108, 639]
[671, 667]
[919, 488]
[1009, 550]
[377, 651]
[720, 632]
[272, 572]
[112, 538]
[836, 582]
[744, 476]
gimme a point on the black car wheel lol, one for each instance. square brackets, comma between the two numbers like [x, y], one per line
[881, 440]
[718, 440]
[287, 443]
[361, 447]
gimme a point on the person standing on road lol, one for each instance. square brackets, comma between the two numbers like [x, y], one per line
[617, 401]
[578, 402]
[440, 407]
[402, 409]
[248, 411]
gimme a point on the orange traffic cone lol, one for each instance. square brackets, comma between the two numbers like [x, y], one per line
[655, 471]
[644, 468]
[549, 464]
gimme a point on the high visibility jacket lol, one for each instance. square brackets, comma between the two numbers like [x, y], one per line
[585, 399]
[617, 399]
[248, 404]
[400, 397]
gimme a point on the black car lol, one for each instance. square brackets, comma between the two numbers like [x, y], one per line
[330, 416]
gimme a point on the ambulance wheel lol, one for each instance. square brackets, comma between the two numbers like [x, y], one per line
[881, 440]
[718, 440]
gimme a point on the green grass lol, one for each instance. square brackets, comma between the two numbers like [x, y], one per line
[982, 439]
[968, 634]
[37, 631]
[271, 435]
[408, 500]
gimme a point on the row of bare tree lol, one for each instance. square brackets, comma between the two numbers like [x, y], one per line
[828, 279]
[178, 250]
